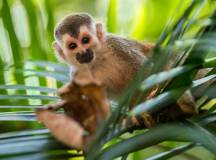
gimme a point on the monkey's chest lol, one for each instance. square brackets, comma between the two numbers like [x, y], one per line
[116, 75]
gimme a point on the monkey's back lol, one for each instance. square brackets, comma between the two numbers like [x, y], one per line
[120, 62]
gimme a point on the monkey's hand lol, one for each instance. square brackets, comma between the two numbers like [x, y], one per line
[57, 106]
[85, 104]
[64, 93]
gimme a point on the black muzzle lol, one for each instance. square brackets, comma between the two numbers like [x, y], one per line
[85, 57]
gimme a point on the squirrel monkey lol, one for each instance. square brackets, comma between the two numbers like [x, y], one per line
[112, 60]
[83, 44]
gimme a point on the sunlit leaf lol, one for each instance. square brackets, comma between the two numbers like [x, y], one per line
[23, 87]
[56, 66]
[58, 76]
[42, 97]
[17, 116]
[23, 133]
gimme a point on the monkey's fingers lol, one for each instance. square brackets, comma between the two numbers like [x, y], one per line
[65, 129]
[66, 89]
[56, 106]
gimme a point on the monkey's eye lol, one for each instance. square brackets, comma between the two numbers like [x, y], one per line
[72, 46]
[85, 40]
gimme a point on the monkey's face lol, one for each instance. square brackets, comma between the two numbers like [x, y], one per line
[81, 49]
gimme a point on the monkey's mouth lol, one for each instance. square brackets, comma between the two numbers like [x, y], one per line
[85, 57]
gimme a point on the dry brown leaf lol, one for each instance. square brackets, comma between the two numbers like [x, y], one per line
[63, 128]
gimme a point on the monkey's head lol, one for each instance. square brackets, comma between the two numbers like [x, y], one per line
[77, 38]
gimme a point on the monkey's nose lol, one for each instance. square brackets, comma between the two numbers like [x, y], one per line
[85, 57]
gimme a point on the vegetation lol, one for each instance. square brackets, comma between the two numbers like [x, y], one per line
[30, 74]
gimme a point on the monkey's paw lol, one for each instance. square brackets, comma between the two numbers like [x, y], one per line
[56, 106]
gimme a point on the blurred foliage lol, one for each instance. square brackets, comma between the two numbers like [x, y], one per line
[30, 74]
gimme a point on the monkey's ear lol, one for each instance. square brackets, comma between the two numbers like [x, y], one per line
[58, 50]
[100, 32]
